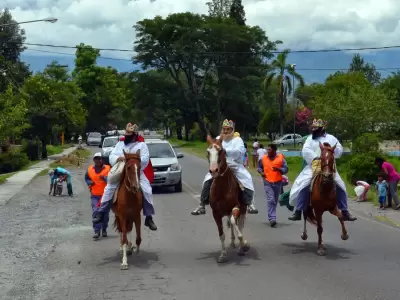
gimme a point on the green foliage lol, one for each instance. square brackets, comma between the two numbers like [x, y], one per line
[12, 161]
[362, 167]
[367, 142]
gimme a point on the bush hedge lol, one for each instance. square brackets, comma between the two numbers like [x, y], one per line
[12, 161]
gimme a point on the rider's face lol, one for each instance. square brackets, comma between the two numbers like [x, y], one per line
[227, 130]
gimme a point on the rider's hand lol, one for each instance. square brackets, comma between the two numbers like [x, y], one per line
[121, 158]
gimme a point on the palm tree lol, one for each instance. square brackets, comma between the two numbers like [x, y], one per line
[283, 72]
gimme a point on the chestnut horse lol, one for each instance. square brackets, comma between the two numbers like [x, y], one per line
[323, 195]
[225, 193]
[128, 206]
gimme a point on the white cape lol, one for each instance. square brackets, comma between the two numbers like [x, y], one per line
[311, 150]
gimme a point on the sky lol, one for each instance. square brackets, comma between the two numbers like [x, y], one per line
[301, 25]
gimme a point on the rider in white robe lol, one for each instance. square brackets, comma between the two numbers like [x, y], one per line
[300, 191]
[129, 145]
[235, 150]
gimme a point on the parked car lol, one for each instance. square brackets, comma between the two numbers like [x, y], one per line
[93, 139]
[108, 145]
[167, 171]
[289, 139]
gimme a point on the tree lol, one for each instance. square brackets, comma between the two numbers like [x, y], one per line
[56, 72]
[391, 84]
[52, 103]
[358, 65]
[11, 46]
[12, 116]
[283, 72]
[352, 106]
[104, 95]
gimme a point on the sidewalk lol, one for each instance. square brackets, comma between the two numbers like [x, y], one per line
[368, 210]
[16, 182]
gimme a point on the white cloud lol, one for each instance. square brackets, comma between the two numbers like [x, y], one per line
[299, 24]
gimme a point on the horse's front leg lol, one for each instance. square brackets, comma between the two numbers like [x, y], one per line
[218, 220]
[244, 246]
[336, 212]
[321, 248]
[232, 245]
[234, 223]
[304, 235]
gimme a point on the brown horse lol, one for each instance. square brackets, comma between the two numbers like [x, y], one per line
[128, 206]
[224, 198]
[323, 195]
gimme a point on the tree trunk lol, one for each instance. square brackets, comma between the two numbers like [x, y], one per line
[44, 149]
[187, 132]
[281, 111]
[179, 132]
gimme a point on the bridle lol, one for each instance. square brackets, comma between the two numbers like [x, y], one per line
[220, 151]
[326, 163]
[131, 187]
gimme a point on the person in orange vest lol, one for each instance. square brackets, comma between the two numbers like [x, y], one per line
[96, 179]
[272, 166]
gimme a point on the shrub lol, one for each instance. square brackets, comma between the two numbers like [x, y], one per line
[361, 166]
[365, 143]
[12, 161]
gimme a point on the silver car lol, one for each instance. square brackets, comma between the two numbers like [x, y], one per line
[167, 170]
[289, 140]
[109, 143]
[93, 139]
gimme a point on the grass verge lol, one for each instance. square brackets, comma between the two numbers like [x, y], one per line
[74, 159]
[3, 178]
[51, 149]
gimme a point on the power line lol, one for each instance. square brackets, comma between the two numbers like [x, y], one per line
[222, 66]
[226, 52]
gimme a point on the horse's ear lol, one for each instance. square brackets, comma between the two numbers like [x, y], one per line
[210, 141]
[321, 146]
[334, 147]
[138, 152]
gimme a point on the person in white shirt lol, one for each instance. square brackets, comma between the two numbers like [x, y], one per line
[366, 186]
[235, 150]
[256, 145]
[261, 152]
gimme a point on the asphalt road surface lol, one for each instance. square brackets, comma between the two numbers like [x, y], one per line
[46, 252]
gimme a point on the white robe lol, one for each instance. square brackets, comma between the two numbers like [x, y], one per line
[235, 151]
[144, 158]
[311, 150]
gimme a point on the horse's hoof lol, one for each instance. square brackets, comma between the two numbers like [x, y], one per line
[124, 267]
[304, 236]
[321, 252]
[129, 252]
[222, 259]
[345, 237]
[232, 246]
[246, 247]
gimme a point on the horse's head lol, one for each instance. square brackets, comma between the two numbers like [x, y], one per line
[132, 171]
[216, 155]
[328, 168]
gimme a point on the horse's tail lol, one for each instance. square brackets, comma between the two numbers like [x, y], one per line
[311, 218]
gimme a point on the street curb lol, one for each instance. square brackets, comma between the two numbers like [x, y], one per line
[14, 186]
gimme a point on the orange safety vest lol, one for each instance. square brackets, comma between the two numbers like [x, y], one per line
[269, 174]
[97, 189]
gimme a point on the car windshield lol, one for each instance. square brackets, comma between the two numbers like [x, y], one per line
[161, 150]
[95, 134]
[110, 142]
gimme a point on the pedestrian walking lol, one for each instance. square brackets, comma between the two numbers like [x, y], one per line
[381, 189]
[96, 179]
[392, 178]
[261, 152]
[271, 168]
[256, 145]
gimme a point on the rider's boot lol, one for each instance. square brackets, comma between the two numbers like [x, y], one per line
[104, 233]
[150, 223]
[348, 216]
[200, 210]
[252, 209]
[296, 216]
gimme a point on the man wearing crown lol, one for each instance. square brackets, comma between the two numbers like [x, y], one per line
[300, 191]
[235, 150]
[131, 144]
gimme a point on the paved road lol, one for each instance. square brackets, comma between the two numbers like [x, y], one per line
[46, 252]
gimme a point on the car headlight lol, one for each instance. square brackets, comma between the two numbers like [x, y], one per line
[175, 167]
